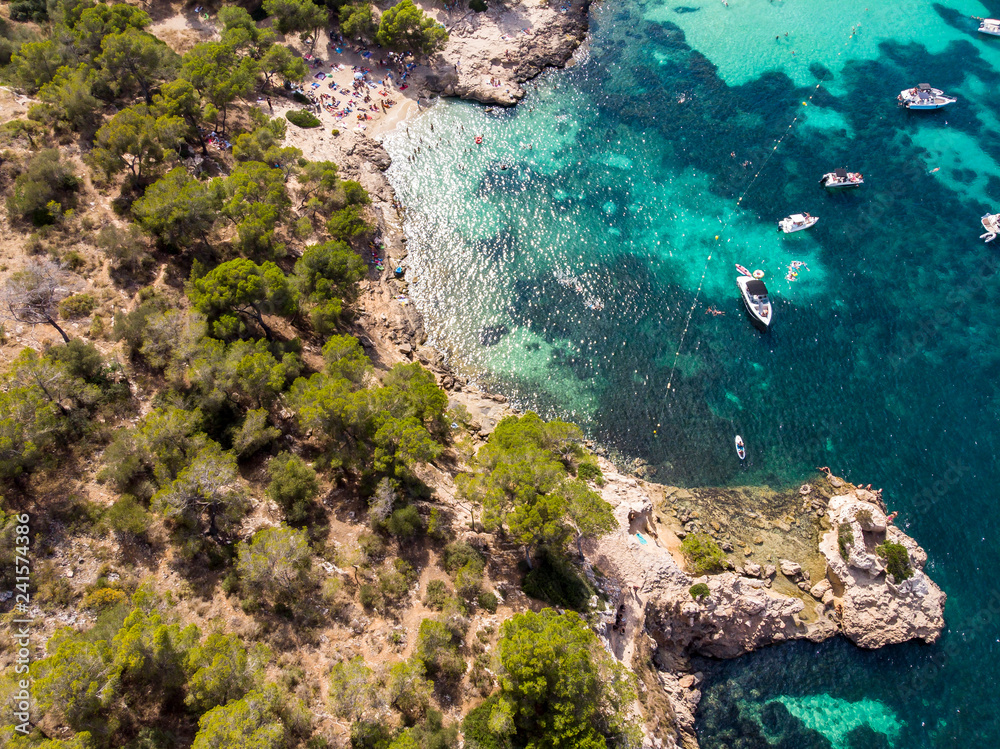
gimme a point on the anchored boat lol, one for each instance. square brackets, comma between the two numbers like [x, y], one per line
[796, 222]
[755, 299]
[924, 97]
[991, 222]
[990, 26]
[842, 178]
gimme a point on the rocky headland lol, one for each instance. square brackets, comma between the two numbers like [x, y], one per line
[787, 579]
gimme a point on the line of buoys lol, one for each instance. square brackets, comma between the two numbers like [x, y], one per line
[739, 203]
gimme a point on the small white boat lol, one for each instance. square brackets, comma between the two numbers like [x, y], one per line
[991, 222]
[796, 222]
[990, 26]
[755, 299]
[842, 178]
[922, 96]
[741, 449]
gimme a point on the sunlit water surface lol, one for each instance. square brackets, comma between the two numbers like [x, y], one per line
[569, 261]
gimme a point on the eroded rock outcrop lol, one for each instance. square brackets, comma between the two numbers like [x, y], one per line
[643, 574]
[490, 54]
[875, 611]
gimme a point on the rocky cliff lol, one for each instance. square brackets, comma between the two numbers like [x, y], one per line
[490, 54]
[640, 567]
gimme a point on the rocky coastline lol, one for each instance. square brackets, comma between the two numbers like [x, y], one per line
[787, 577]
[794, 584]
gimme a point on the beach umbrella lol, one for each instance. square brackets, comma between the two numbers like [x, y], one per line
[358, 76]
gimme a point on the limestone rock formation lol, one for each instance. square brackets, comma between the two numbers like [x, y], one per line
[874, 611]
[642, 570]
[474, 65]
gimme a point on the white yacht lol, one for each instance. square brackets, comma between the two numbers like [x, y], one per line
[991, 222]
[755, 299]
[990, 26]
[922, 96]
[842, 178]
[796, 222]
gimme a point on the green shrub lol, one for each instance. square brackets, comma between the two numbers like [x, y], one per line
[864, 517]
[254, 433]
[437, 525]
[369, 596]
[431, 734]
[404, 522]
[703, 554]
[348, 223]
[103, 598]
[29, 10]
[73, 260]
[302, 118]
[477, 5]
[35, 192]
[367, 734]
[845, 539]
[325, 316]
[589, 471]
[436, 595]
[437, 650]
[404, 26]
[127, 517]
[557, 581]
[476, 728]
[458, 554]
[78, 305]
[372, 546]
[394, 583]
[897, 560]
[303, 228]
[487, 600]
[469, 580]
[699, 591]
[293, 485]
[126, 248]
[80, 359]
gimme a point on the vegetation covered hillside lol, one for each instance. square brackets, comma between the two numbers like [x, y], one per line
[227, 525]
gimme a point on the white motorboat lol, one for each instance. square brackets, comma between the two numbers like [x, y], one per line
[842, 178]
[755, 299]
[922, 96]
[990, 26]
[796, 222]
[991, 222]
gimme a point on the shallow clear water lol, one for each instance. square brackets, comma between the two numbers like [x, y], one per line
[568, 261]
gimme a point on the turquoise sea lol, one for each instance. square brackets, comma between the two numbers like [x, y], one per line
[570, 259]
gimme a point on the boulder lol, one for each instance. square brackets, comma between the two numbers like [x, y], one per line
[790, 569]
[752, 569]
[820, 589]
